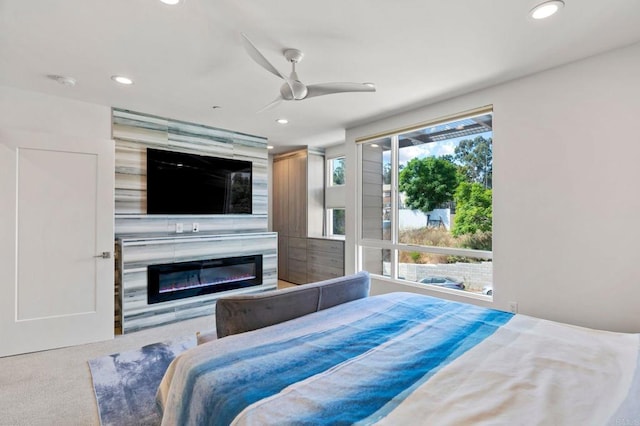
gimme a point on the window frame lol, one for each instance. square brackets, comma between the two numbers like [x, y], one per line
[393, 245]
[329, 162]
[332, 188]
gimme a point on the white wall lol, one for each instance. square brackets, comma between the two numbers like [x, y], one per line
[334, 151]
[33, 111]
[565, 146]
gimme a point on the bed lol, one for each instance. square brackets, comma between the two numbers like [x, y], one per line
[403, 358]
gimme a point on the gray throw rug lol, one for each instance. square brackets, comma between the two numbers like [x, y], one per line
[125, 383]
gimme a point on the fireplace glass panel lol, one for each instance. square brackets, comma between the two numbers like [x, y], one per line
[187, 279]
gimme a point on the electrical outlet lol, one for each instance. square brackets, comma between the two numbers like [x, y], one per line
[179, 228]
[513, 307]
[196, 227]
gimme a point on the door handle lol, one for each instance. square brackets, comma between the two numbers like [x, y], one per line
[104, 255]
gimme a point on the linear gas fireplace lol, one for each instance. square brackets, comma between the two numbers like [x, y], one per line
[186, 279]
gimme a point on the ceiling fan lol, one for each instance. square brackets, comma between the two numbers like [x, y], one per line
[293, 89]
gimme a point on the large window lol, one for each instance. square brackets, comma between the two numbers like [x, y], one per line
[426, 204]
[334, 196]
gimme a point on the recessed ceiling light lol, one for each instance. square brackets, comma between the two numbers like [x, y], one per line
[282, 121]
[374, 145]
[64, 80]
[546, 9]
[269, 146]
[122, 79]
[171, 2]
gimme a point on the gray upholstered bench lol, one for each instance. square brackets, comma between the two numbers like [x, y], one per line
[237, 314]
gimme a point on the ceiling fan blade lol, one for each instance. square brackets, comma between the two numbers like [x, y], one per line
[331, 88]
[259, 58]
[273, 104]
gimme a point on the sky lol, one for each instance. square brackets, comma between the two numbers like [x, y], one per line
[436, 149]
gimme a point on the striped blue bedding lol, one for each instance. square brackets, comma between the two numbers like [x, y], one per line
[403, 358]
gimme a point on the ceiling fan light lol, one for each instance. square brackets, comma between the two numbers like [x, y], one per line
[546, 9]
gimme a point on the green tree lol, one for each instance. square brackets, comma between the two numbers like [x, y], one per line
[473, 209]
[475, 157]
[428, 182]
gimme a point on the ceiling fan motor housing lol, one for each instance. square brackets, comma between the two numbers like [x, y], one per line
[297, 90]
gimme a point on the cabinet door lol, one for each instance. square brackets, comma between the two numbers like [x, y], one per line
[297, 262]
[280, 197]
[283, 257]
[297, 203]
[325, 259]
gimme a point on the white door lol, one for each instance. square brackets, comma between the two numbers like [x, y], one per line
[56, 220]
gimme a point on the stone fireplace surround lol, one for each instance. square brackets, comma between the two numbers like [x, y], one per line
[143, 240]
[134, 255]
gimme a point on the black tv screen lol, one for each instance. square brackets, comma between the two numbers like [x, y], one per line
[181, 183]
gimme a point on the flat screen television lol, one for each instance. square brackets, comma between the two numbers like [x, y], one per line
[181, 183]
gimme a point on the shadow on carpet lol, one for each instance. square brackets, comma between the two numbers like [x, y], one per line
[125, 384]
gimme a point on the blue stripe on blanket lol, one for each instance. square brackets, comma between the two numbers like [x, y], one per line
[373, 397]
[247, 376]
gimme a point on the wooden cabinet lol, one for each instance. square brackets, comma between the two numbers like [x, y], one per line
[283, 258]
[297, 195]
[280, 198]
[298, 214]
[307, 260]
[325, 259]
[297, 261]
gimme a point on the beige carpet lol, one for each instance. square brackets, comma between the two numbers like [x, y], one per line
[54, 387]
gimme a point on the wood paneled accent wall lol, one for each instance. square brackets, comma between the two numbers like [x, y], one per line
[152, 239]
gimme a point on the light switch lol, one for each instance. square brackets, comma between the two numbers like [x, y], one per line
[179, 228]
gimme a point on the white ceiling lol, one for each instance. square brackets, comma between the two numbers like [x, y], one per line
[185, 59]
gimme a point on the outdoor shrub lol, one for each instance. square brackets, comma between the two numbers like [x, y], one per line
[441, 237]
[438, 237]
[478, 241]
